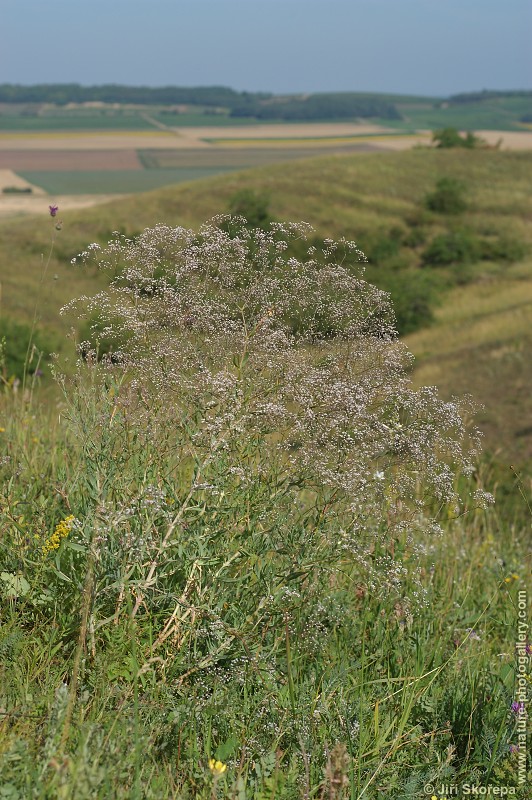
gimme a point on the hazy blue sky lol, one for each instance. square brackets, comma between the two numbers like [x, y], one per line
[413, 46]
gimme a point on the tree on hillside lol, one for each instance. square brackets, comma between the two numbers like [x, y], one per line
[450, 137]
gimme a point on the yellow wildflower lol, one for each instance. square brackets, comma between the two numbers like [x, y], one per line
[217, 767]
[62, 529]
[512, 577]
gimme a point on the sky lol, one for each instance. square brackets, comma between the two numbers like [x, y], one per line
[427, 47]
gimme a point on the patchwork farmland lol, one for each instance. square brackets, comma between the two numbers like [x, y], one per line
[86, 159]
[81, 168]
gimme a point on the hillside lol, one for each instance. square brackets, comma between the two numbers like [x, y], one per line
[70, 106]
[478, 340]
[255, 563]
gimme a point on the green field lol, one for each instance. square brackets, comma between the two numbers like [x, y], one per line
[501, 114]
[94, 121]
[237, 157]
[189, 119]
[115, 181]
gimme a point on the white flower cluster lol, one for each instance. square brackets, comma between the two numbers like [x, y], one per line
[231, 338]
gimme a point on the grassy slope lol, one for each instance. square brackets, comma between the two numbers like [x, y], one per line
[478, 343]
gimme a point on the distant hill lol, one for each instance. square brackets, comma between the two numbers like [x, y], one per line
[474, 110]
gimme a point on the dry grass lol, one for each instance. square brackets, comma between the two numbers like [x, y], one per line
[480, 345]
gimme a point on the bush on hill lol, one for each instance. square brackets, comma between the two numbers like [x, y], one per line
[448, 197]
[449, 137]
[252, 206]
[23, 350]
[453, 247]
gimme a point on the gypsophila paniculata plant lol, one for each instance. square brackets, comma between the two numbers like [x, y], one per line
[224, 338]
[235, 546]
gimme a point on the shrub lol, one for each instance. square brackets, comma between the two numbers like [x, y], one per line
[23, 350]
[305, 348]
[450, 138]
[381, 247]
[413, 295]
[416, 236]
[253, 206]
[502, 248]
[454, 247]
[447, 198]
[17, 190]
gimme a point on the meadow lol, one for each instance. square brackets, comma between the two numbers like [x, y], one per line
[242, 555]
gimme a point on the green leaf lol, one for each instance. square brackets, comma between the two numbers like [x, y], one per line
[226, 750]
[16, 585]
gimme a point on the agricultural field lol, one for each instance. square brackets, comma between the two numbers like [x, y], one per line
[202, 595]
[68, 165]
[496, 113]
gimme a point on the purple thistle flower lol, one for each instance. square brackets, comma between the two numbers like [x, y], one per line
[53, 210]
[517, 708]
[514, 748]
[528, 649]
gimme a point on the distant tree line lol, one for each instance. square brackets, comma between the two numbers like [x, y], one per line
[344, 105]
[61, 94]
[487, 94]
[260, 105]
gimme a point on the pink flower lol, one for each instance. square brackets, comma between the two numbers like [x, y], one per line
[53, 210]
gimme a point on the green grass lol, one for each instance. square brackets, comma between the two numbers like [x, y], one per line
[383, 695]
